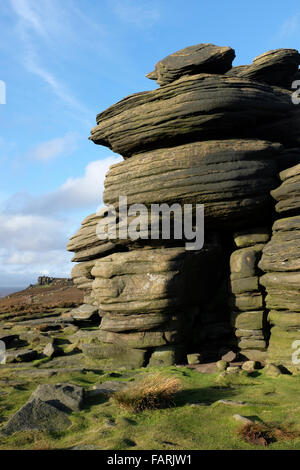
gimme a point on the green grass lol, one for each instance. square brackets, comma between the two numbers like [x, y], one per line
[208, 426]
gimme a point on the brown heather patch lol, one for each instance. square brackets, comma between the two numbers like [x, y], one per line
[263, 435]
[153, 392]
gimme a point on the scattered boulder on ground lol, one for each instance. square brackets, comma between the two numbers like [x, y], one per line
[222, 365]
[21, 355]
[63, 396]
[37, 415]
[250, 366]
[51, 350]
[272, 370]
[230, 356]
[194, 358]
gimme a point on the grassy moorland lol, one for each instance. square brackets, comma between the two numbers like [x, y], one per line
[195, 421]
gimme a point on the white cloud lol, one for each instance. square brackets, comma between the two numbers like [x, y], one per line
[21, 233]
[84, 192]
[31, 245]
[136, 12]
[88, 189]
[33, 234]
[21, 269]
[55, 147]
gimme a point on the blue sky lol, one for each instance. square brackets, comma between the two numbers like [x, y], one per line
[65, 61]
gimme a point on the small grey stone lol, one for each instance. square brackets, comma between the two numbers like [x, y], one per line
[229, 357]
[272, 371]
[106, 388]
[50, 350]
[222, 365]
[250, 365]
[233, 370]
[231, 402]
[194, 358]
[198, 404]
[242, 419]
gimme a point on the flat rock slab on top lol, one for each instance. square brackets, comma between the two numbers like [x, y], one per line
[199, 58]
[275, 67]
[193, 108]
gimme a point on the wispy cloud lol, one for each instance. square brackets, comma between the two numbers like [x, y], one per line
[43, 19]
[137, 12]
[25, 11]
[60, 146]
[289, 26]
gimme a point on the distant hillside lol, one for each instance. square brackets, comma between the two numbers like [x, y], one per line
[40, 297]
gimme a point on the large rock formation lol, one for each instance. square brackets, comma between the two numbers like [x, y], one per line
[213, 135]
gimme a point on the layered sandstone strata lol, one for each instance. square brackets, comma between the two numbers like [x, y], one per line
[213, 135]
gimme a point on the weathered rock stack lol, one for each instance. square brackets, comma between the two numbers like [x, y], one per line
[213, 135]
[281, 262]
[247, 299]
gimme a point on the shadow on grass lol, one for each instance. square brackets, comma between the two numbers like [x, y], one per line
[94, 401]
[207, 395]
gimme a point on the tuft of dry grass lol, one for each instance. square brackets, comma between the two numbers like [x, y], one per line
[262, 434]
[152, 392]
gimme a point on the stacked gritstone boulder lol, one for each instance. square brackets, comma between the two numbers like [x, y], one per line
[281, 262]
[200, 138]
[149, 299]
[82, 278]
[247, 296]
